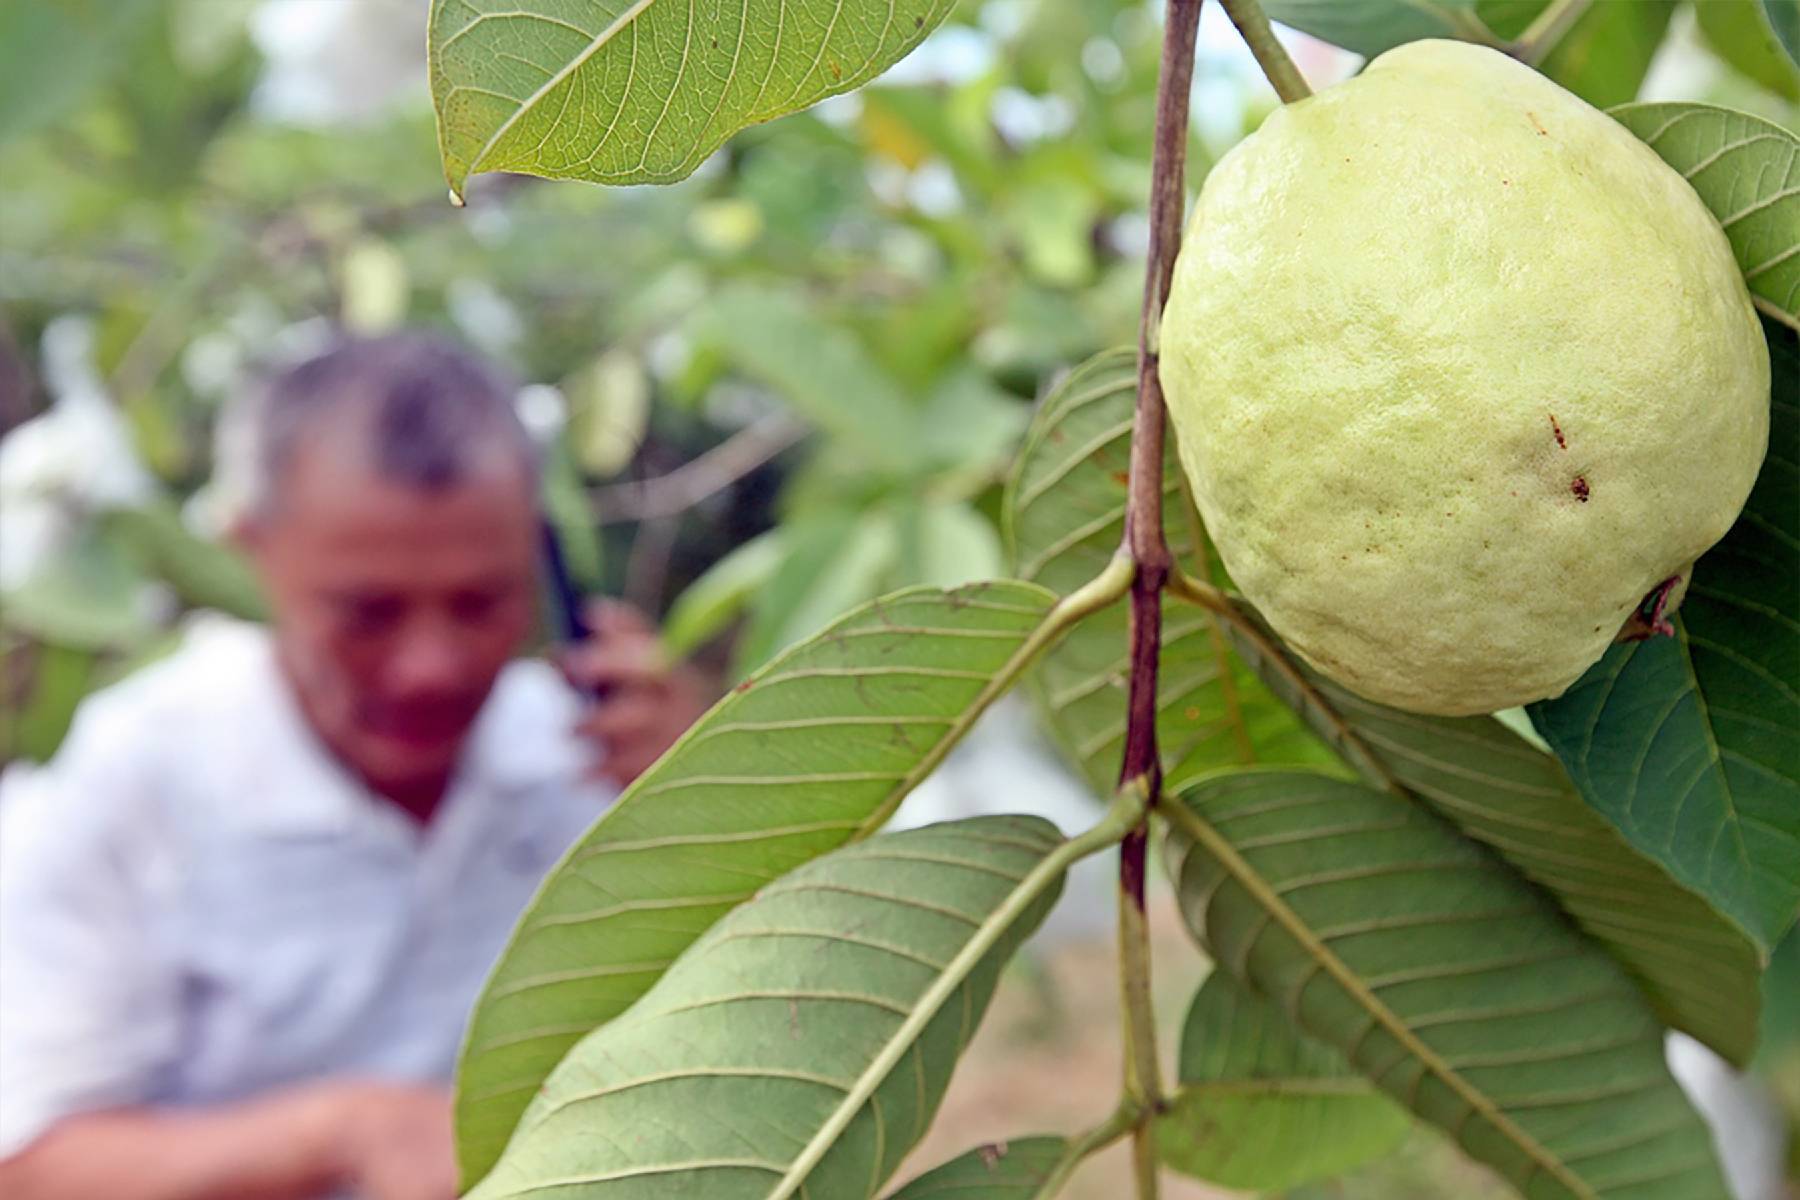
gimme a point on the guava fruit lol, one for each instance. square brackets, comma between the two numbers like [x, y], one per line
[1460, 372]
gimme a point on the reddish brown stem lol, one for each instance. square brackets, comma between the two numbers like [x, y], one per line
[1143, 513]
[1144, 542]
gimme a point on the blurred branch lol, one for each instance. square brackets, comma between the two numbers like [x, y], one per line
[687, 485]
[1542, 35]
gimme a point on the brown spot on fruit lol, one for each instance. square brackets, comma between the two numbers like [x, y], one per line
[1557, 430]
[1532, 117]
[1580, 487]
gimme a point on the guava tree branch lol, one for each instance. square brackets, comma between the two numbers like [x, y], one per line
[1543, 34]
[1253, 24]
[1144, 543]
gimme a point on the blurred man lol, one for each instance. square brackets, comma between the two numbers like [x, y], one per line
[245, 911]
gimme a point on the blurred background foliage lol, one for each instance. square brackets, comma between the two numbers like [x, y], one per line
[781, 387]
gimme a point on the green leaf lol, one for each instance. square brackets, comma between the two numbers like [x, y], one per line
[1064, 513]
[816, 749]
[1784, 18]
[1012, 1170]
[803, 1044]
[1371, 26]
[612, 92]
[1688, 743]
[835, 560]
[1744, 34]
[204, 574]
[1444, 978]
[818, 368]
[1264, 1106]
[711, 602]
[86, 597]
[1605, 55]
[37, 717]
[952, 545]
[1747, 170]
[1698, 967]
[55, 53]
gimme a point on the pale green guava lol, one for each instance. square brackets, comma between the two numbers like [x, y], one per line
[1460, 371]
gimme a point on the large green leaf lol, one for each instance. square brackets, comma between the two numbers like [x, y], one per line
[802, 1045]
[1370, 26]
[1012, 1170]
[1747, 170]
[1264, 1106]
[1743, 33]
[816, 367]
[1444, 978]
[814, 750]
[1698, 967]
[1691, 744]
[1064, 513]
[641, 92]
[204, 574]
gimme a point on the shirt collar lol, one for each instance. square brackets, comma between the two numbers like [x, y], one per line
[292, 785]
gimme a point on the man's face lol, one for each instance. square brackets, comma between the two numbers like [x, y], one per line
[395, 607]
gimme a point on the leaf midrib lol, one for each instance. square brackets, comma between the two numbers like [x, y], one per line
[600, 41]
[1203, 834]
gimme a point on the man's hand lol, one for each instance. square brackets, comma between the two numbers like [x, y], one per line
[394, 1141]
[641, 702]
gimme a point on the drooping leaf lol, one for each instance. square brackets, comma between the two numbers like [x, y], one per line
[1744, 34]
[802, 1045]
[615, 92]
[816, 367]
[1697, 966]
[87, 596]
[833, 561]
[1371, 26]
[1691, 744]
[1444, 978]
[1064, 514]
[1010, 1170]
[1263, 1105]
[716, 598]
[1747, 170]
[814, 750]
[203, 574]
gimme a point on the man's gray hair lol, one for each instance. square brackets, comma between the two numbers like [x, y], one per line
[426, 410]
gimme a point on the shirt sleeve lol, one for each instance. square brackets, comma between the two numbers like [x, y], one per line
[89, 1001]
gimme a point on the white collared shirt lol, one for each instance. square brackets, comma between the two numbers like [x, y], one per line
[197, 903]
